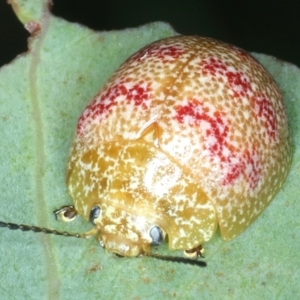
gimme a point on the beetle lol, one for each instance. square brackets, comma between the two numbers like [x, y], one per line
[189, 134]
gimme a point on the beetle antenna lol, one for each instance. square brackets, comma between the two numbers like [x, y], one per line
[36, 229]
[193, 262]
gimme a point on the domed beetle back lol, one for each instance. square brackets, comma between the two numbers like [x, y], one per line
[189, 133]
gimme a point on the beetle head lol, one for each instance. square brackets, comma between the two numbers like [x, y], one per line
[124, 233]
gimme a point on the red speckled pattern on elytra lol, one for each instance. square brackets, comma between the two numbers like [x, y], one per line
[132, 93]
[240, 86]
[219, 114]
[216, 143]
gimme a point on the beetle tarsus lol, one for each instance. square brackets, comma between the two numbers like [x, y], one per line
[195, 252]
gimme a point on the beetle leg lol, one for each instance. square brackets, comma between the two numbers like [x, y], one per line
[90, 233]
[194, 253]
[67, 213]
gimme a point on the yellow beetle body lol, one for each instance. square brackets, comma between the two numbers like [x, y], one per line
[188, 134]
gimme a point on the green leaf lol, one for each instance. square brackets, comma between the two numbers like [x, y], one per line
[42, 94]
[30, 10]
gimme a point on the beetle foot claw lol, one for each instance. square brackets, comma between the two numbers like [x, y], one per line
[195, 252]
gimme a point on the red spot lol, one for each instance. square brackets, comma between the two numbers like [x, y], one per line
[238, 81]
[213, 66]
[137, 94]
[247, 165]
[239, 84]
[264, 109]
[163, 52]
[234, 169]
[216, 141]
[214, 125]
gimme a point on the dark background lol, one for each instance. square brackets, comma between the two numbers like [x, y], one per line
[264, 26]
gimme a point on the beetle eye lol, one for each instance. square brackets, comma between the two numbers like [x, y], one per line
[156, 235]
[95, 213]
